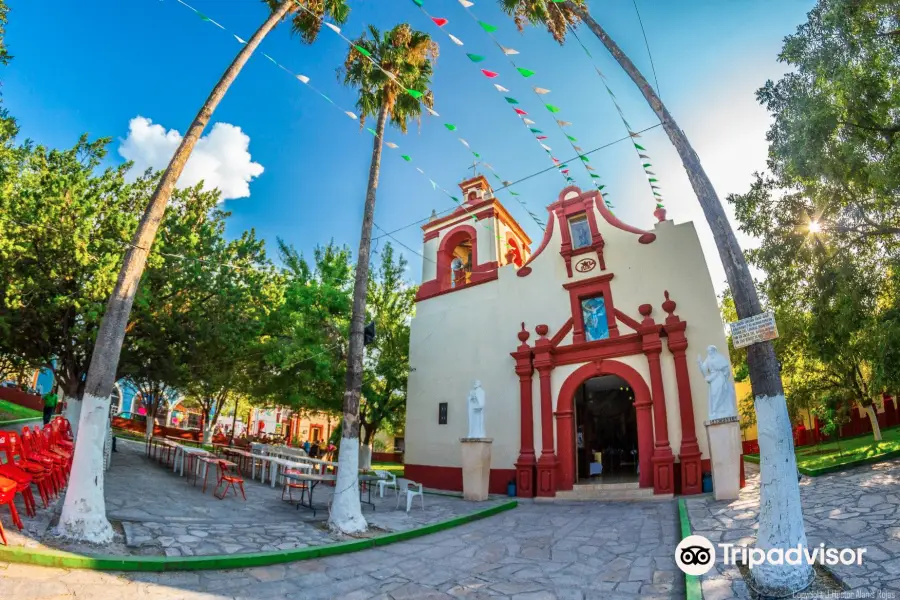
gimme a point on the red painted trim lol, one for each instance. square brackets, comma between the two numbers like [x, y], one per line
[565, 406]
[563, 331]
[450, 478]
[624, 345]
[627, 320]
[646, 236]
[663, 459]
[430, 289]
[485, 214]
[587, 288]
[430, 235]
[459, 212]
[548, 233]
[525, 463]
[441, 284]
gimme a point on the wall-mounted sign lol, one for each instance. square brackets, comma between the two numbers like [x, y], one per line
[442, 413]
[585, 264]
[753, 330]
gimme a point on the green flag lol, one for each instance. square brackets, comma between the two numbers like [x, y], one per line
[551, 108]
[475, 57]
[525, 72]
[511, 100]
[405, 157]
[487, 27]
[415, 93]
[450, 126]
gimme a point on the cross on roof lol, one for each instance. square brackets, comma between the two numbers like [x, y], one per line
[474, 168]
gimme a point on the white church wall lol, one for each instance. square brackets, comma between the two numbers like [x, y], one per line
[429, 264]
[487, 240]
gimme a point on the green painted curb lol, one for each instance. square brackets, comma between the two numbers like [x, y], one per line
[692, 589]
[68, 560]
[752, 458]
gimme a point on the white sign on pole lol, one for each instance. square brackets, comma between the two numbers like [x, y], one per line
[753, 330]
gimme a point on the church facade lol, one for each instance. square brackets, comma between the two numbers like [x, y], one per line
[586, 348]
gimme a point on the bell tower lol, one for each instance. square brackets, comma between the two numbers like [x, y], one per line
[469, 245]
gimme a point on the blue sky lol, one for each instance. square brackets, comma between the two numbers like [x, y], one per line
[93, 66]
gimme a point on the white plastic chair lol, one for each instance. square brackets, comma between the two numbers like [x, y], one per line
[410, 489]
[390, 482]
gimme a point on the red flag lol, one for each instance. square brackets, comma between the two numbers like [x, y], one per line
[555, 160]
[519, 111]
[542, 137]
[487, 73]
[439, 22]
[564, 171]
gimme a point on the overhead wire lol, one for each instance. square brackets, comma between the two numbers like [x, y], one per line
[647, 44]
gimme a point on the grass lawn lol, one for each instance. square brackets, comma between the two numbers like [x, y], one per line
[832, 454]
[13, 412]
[395, 468]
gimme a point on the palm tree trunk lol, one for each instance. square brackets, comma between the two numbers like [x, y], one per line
[346, 512]
[84, 512]
[780, 513]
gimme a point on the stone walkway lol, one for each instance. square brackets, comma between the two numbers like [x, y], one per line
[859, 508]
[163, 513]
[584, 551]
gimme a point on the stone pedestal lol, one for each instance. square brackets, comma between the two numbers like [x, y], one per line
[724, 437]
[476, 467]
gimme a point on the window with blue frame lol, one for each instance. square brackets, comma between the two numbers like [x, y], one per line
[581, 231]
[593, 312]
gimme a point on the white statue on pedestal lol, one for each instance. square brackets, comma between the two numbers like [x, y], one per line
[717, 371]
[476, 411]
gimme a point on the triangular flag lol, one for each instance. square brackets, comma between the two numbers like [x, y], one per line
[487, 27]
[556, 160]
[455, 199]
[509, 51]
[466, 3]
[303, 78]
[589, 168]
[652, 180]
[563, 123]
[327, 98]
[533, 130]
[476, 155]
[362, 50]
[419, 3]
[204, 17]
[525, 72]
[600, 73]
[515, 194]
[450, 126]
[594, 175]
[519, 111]
[415, 94]
[528, 121]
[334, 28]
[546, 147]
[639, 147]
[456, 40]
[564, 171]
[500, 88]
[578, 148]
[391, 145]
[572, 138]
[420, 170]
[475, 57]
[487, 73]
[433, 184]
[239, 39]
[633, 134]
[464, 142]
[645, 165]
[351, 115]
[512, 100]
[488, 166]
[585, 158]
[372, 131]
[542, 137]
[551, 108]
[439, 22]
[658, 205]
[540, 90]
[432, 112]
[650, 173]
[405, 157]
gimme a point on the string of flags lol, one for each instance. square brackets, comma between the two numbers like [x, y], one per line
[352, 115]
[540, 92]
[441, 22]
[643, 154]
[416, 94]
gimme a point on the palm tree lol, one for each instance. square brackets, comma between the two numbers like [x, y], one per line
[406, 57]
[784, 495]
[84, 512]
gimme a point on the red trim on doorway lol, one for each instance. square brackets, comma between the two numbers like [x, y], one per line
[565, 411]
[450, 478]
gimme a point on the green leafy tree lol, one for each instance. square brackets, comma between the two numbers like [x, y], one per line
[83, 515]
[407, 55]
[391, 305]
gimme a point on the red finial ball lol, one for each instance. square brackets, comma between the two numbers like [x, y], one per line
[524, 334]
[669, 304]
[645, 309]
[660, 214]
[542, 330]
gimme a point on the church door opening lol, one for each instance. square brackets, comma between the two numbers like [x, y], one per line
[606, 441]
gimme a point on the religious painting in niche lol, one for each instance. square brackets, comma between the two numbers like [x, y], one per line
[581, 231]
[593, 311]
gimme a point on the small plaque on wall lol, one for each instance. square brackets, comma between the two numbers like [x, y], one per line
[442, 413]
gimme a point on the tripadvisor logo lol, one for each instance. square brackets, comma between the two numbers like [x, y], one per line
[696, 555]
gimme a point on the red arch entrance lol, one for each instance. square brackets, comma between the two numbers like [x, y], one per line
[565, 411]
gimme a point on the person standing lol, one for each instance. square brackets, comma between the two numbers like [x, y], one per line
[50, 401]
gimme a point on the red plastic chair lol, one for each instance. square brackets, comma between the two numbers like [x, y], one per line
[49, 443]
[59, 438]
[11, 454]
[23, 485]
[51, 462]
[230, 480]
[7, 497]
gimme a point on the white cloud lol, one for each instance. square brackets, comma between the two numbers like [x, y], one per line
[221, 158]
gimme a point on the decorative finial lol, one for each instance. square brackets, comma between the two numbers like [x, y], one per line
[542, 330]
[524, 334]
[660, 214]
[669, 304]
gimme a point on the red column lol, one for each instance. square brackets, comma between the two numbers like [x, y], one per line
[689, 455]
[546, 464]
[663, 460]
[526, 462]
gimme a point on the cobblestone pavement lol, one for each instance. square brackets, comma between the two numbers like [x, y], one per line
[162, 513]
[578, 551]
[859, 508]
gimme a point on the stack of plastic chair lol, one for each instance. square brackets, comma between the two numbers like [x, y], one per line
[7, 497]
[23, 484]
[52, 462]
[45, 438]
[59, 436]
[11, 452]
